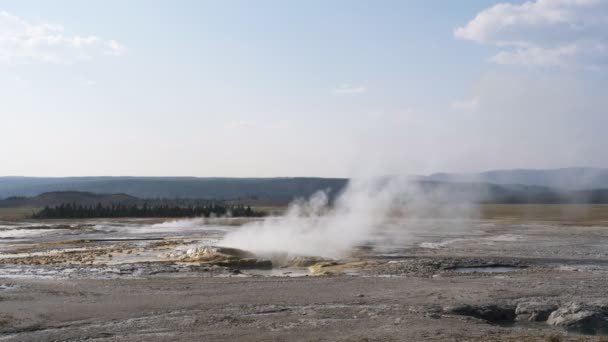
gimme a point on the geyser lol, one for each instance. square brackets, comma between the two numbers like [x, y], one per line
[385, 210]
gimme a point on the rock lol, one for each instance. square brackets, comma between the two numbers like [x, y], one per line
[489, 312]
[321, 268]
[305, 261]
[534, 311]
[580, 318]
[210, 253]
[226, 257]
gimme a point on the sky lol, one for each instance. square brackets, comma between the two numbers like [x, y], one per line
[301, 88]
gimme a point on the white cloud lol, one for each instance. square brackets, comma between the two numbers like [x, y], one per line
[470, 105]
[25, 42]
[349, 89]
[543, 32]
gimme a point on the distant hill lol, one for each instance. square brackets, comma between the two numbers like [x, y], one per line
[454, 192]
[52, 199]
[511, 193]
[566, 178]
[276, 189]
[499, 186]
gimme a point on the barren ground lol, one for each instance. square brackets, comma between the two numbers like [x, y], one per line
[119, 281]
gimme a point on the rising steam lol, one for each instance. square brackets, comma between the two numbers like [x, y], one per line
[379, 211]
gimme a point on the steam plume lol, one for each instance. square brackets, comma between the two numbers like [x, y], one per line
[369, 211]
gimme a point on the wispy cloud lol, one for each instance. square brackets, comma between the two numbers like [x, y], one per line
[469, 105]
[26, 42]
[543, 32]
[349, 89]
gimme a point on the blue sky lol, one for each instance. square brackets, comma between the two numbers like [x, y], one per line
[294, 88]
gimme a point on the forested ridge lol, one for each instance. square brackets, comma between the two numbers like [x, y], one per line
[72, 210]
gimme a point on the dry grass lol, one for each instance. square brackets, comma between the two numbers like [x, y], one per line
[16, 213]
[568, 214]
[563, 214]
[554, 337]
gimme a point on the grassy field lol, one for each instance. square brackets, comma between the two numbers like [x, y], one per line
[16, 213]
[579, 214]
[568, 214]
[562, 214]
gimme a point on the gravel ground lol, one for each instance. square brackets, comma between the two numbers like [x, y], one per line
[425, 291]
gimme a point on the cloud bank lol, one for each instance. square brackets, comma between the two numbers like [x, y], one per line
[25, 42]
[551, 33]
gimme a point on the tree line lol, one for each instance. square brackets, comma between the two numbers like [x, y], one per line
[72, 210]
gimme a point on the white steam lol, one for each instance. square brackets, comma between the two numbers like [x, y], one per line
[378, 211]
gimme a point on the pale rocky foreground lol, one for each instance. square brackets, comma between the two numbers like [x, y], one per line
[502, 280]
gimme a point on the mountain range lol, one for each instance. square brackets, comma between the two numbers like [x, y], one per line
[578, 178]
[502, 186]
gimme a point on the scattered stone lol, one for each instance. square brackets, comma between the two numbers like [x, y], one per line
[579, 318]
[534, 311]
